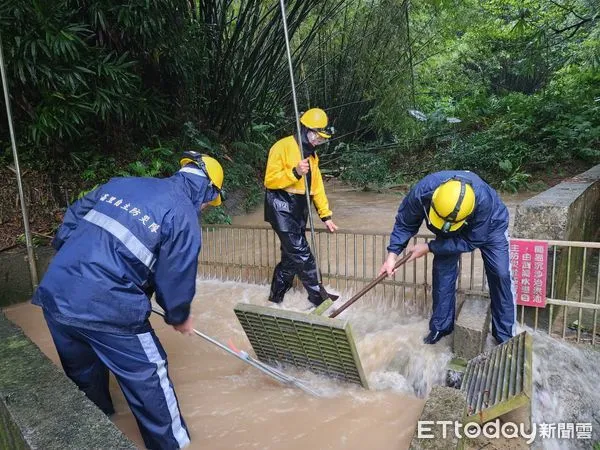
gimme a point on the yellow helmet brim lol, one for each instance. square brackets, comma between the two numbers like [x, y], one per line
[185, 161]
[217, 201]
[437, 222]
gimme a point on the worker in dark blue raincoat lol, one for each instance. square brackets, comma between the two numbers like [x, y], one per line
[286, 207]
[465, 214]
[126, 240]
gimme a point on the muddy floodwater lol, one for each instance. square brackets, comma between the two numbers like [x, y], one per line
[230, 405]
[368, 211]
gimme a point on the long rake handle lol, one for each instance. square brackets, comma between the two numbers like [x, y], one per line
[243, 356]
[209, 339]
[368, 287]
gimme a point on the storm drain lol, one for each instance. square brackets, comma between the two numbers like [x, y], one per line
[499, 381]
[319, 344]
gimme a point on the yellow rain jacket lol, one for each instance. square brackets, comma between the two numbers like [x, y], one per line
[279, 175]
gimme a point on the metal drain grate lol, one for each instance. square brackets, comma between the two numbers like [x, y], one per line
[499, 381]
[322, 345]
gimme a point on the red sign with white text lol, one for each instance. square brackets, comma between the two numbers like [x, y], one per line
[529, 263]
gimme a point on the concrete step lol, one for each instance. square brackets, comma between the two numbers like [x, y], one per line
[471, 327]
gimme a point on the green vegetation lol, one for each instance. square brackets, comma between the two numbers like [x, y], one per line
[102, 88]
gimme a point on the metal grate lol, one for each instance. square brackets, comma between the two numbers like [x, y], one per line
[319, 344]
[499, 381]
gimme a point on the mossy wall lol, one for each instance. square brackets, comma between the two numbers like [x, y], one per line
[40, 408]
[15, 279]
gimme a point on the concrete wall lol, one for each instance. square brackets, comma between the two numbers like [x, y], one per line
[569, 211]
[15, 279]
[10, 435]
[40, 408]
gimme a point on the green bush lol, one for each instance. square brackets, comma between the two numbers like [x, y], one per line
[153, 162]
[521, 133]
[365, 169]
[77, 83]
[215, 215]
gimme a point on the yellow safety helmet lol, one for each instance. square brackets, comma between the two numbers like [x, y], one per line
[452, 202]
[211, 167]
[315, 119]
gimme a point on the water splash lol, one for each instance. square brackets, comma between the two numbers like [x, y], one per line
[566, 389]
[389, 341]
[391, 347]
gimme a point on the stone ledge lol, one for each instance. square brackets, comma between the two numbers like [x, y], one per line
[443, 404]
[471, 327]
[40, 408]
[568, 211]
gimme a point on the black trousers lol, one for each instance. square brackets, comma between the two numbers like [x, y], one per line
[296, 259]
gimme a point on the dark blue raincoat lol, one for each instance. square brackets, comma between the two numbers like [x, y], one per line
[120, 243]
[486, 229]
[126, 240]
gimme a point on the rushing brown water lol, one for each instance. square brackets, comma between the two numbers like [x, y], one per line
[228, 404]
[367, 211]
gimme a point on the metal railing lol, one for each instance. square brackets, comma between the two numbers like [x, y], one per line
[573, 291]
[350, 259]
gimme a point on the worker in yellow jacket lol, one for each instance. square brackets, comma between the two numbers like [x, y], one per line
[286, 207]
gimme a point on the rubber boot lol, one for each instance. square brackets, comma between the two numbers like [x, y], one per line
[435, 336]
[318, 294]
[280, 284]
